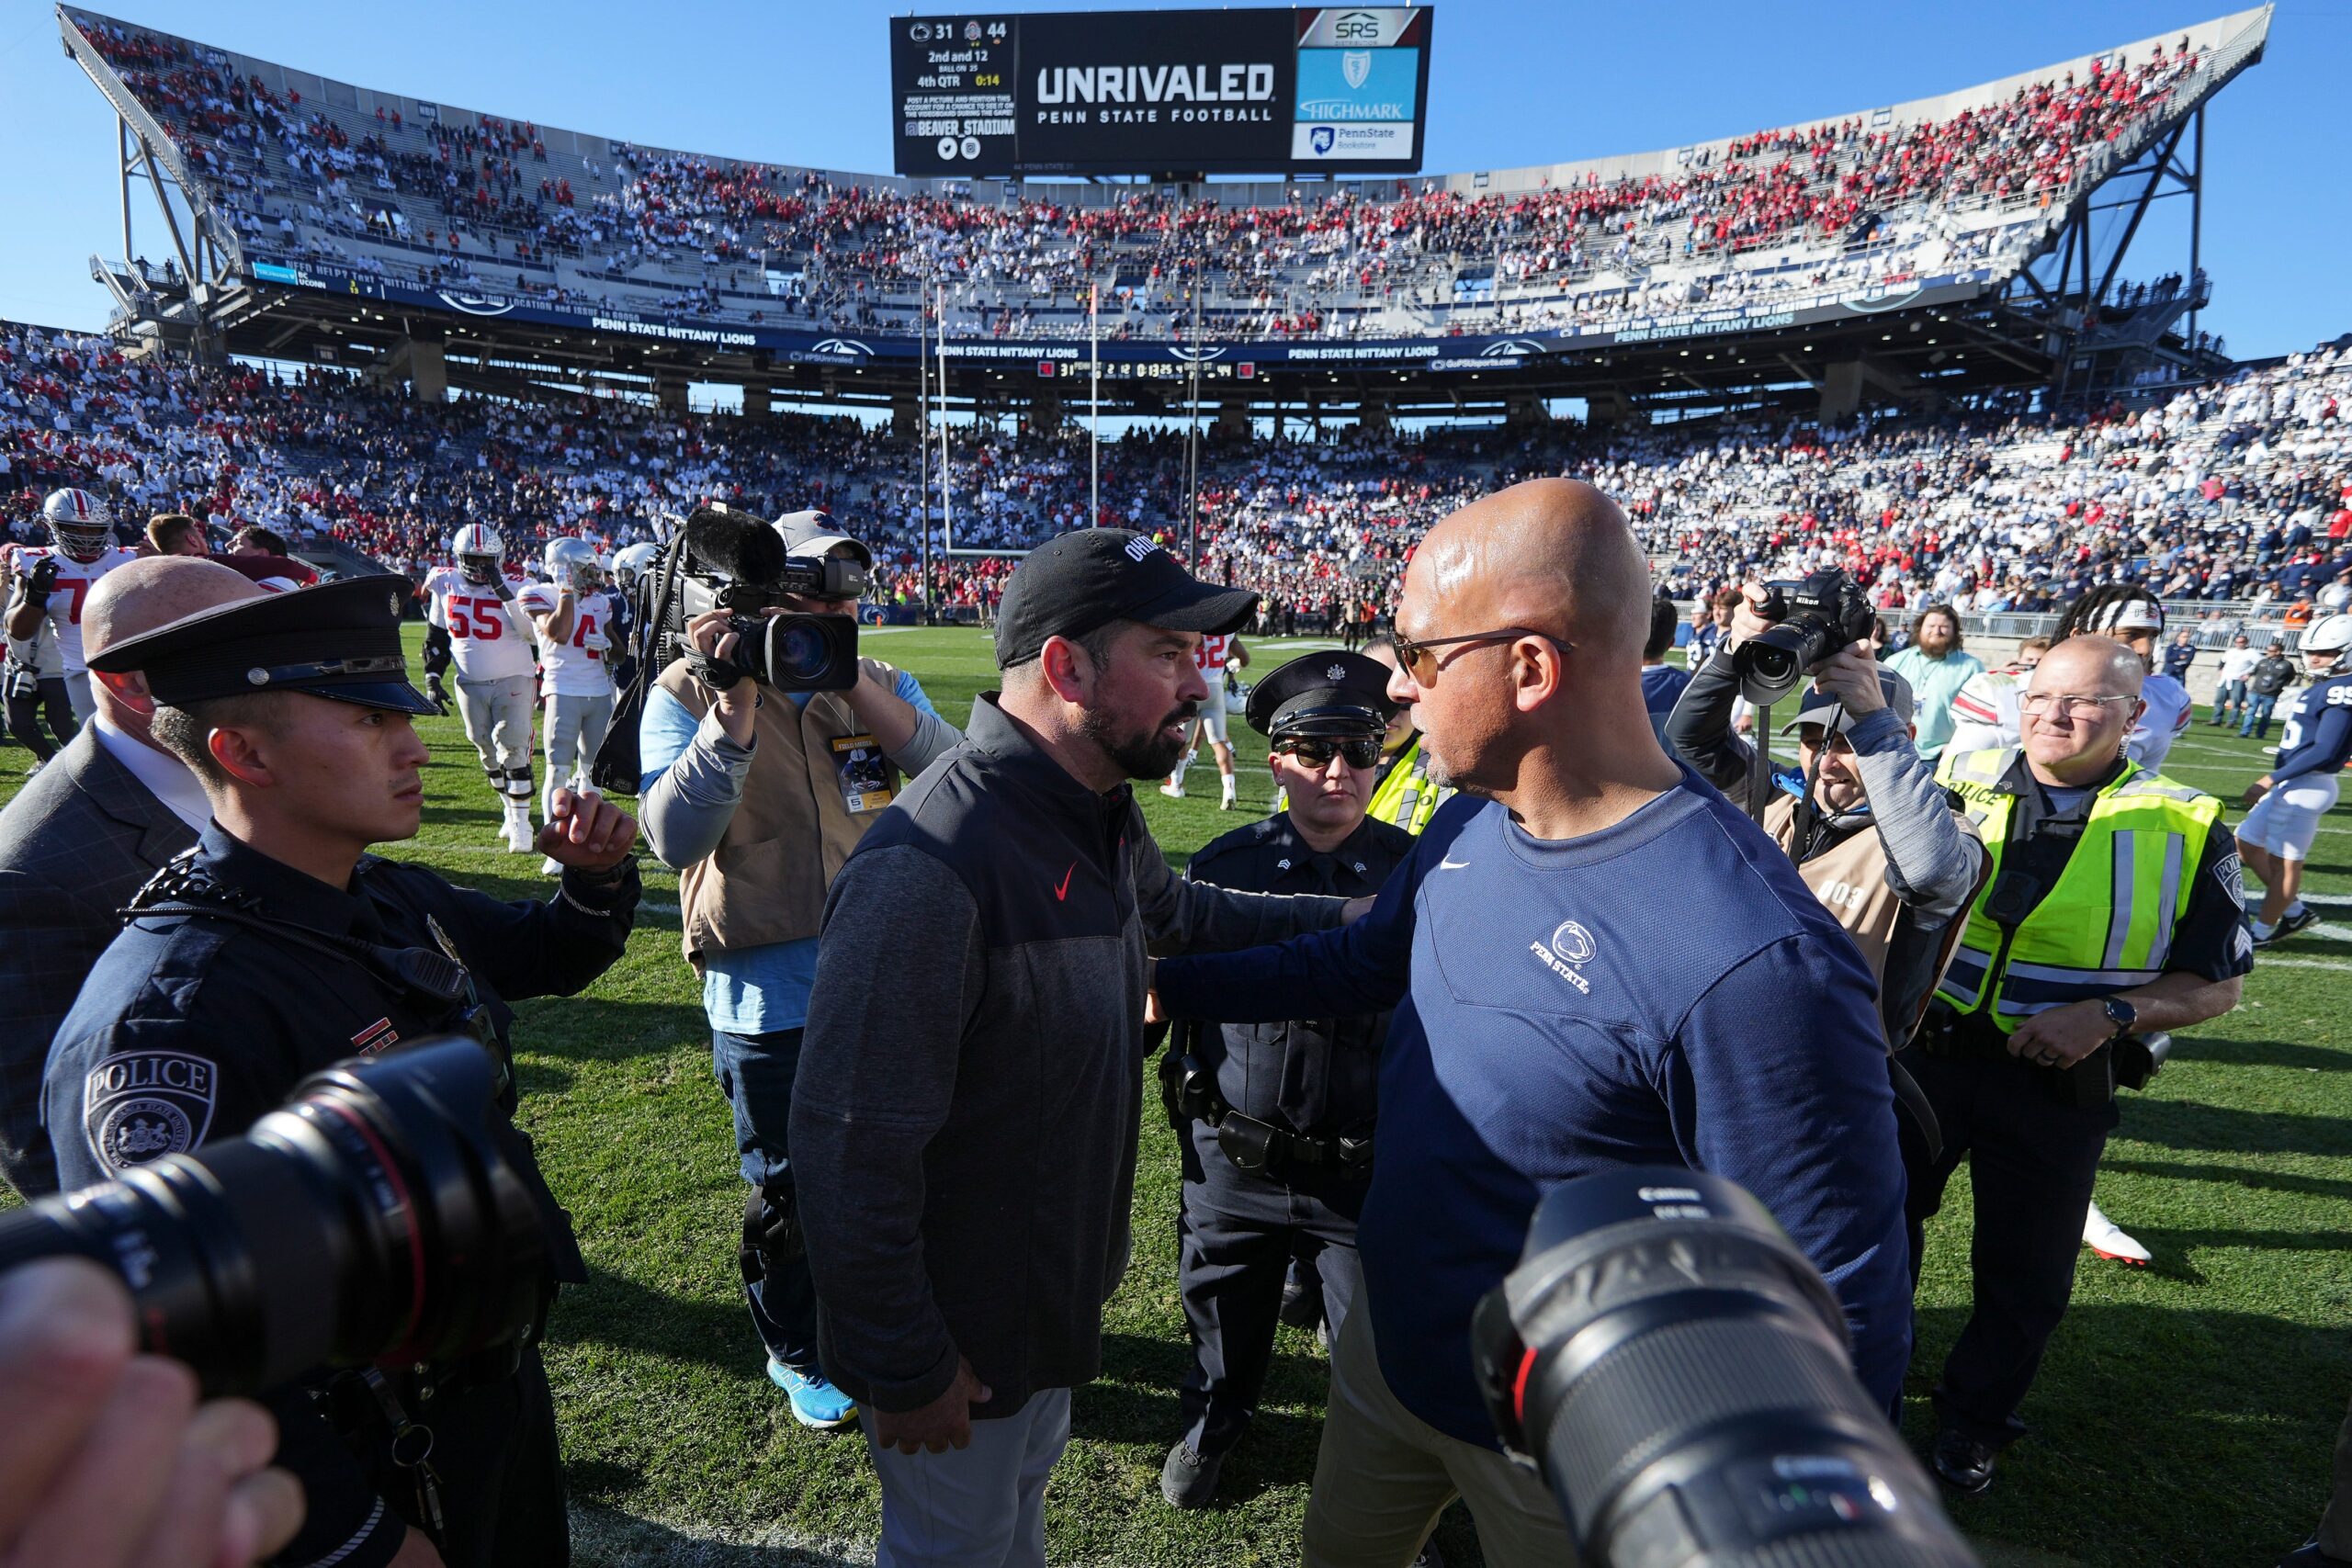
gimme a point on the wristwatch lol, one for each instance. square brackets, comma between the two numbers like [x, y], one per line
[2120, 1013]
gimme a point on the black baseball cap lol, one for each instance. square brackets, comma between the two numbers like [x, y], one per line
[341, 640]
[1090, 577]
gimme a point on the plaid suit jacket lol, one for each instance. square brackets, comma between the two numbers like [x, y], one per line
[76, 843]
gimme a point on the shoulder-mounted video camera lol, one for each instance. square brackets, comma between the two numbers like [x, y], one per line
[1814, 618]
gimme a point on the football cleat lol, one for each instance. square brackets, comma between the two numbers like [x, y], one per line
[2103, 1237]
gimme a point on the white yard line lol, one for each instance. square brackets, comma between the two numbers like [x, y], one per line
[2263, 961]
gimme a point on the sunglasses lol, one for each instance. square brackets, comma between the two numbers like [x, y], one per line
[1414, 655]
[1317, 754]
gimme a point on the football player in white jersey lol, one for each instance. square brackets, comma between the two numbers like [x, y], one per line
[1987, 710]
[1214, 655]
[51, 583]
[2302, 784]
[34, 682]
[574, 617]
[490, 639]
[1986, 707]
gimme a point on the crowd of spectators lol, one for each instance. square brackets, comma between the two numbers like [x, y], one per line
[2233, 491]
[1815, 208]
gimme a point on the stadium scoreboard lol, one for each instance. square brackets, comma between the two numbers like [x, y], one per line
[1321, 90]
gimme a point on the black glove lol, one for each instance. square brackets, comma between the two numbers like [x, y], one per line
[503, 589]
[435, 694]
[42, 579]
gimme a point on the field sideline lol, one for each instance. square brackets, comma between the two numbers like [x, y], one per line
[2183, 1416]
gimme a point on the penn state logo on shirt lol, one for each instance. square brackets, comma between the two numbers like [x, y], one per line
[143, 1105]
[1570, 947]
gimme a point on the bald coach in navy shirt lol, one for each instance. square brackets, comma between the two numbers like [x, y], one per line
[1560, 1011]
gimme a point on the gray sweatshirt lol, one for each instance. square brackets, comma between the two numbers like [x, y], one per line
[965, 1119]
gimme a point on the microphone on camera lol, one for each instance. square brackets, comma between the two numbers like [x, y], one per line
[735, 545]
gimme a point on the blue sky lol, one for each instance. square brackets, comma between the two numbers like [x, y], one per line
[804, 82]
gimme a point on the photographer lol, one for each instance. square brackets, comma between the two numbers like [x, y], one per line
[756, 796]
[278, 946]
[1878, 840]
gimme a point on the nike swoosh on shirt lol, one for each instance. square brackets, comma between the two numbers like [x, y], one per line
[1445, 865]
[1062, 893]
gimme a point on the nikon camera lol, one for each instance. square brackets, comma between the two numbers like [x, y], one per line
[1816, 617]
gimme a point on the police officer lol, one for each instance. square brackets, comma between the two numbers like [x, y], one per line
[2113, 909]
[1277, 1118]
[276, 946]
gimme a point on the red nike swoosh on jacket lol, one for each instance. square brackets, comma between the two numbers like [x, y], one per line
[1062, 891]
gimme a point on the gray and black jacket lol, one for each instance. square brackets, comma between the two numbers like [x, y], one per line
[965, 1119]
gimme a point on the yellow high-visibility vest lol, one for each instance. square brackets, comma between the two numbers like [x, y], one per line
[1406, 797]
[2110, 923]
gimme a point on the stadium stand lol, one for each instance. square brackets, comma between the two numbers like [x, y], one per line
[2235, 495]
[314, 172]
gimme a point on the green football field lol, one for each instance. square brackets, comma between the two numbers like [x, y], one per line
[2184, 1413]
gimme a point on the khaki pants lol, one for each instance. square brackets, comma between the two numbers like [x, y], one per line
[1384, 1475]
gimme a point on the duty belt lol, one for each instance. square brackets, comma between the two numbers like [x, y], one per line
[1256, 1148]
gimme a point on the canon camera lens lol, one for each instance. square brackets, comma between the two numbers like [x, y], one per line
[1678, 1372]
[388, 1212]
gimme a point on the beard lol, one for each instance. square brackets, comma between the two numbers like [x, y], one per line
[1442, 774]
[1146, 754]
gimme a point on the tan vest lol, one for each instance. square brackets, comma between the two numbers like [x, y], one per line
[761, 885]
[1850, 879]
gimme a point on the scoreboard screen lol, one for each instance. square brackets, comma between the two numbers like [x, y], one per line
[1254, 91]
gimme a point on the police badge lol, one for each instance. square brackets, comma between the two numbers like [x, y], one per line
[143, 1105]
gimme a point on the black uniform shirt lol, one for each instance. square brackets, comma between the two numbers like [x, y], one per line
[1316, 1077]
[188, 1029]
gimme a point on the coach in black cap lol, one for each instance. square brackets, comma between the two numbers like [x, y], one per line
[965, 1118]
[276, 946]
[1276, 1119]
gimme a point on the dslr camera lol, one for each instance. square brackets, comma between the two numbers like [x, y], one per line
[388, 1212]
[1814, 618]
[741, 563]
[1677, 1373]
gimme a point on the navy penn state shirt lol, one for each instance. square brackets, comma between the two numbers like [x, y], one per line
[1560, 1011]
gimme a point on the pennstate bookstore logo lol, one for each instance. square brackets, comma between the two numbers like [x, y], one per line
[143, 1105]
[1322, 138]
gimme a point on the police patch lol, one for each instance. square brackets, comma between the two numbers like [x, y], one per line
[143, 1105]
[2230, 872]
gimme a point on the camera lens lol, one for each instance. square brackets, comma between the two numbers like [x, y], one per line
[799, 653]
[389, 1211]
[1679, 1371]
[1771, 662]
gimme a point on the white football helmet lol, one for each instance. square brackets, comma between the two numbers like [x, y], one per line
[572, 561]
[633, 563]
[79, 523]
[2328, 637]
[480, 552]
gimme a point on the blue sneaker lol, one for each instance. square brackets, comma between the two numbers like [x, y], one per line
[816, 1403]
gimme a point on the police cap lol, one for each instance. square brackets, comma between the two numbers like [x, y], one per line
[340, 640]
[1323, 693]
